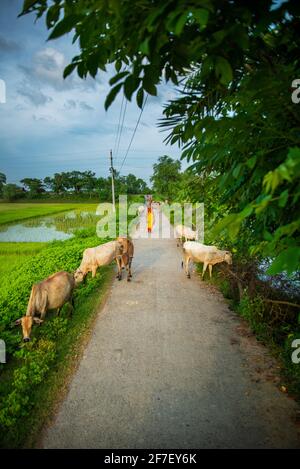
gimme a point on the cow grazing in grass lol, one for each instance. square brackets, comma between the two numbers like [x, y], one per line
[208, 255]
[51, 293]
[95, 257]
[125, 259]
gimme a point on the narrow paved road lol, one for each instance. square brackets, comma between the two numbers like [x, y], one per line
[161, 370]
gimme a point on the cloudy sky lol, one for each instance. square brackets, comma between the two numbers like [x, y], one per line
[49, 124]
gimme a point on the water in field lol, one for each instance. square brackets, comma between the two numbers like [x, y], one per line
[52, 227]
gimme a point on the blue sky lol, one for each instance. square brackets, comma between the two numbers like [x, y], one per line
[49, 124]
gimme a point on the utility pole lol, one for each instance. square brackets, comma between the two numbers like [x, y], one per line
[112, 181]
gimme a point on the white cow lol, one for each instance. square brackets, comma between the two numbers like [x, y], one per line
[208, 255]
[95, 257]
[185, 232]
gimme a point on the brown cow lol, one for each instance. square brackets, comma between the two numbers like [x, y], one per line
[51, 293]
[124, 260]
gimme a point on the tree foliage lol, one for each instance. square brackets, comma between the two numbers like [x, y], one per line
[166, 176]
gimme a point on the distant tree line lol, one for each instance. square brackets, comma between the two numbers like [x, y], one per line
[72, 183]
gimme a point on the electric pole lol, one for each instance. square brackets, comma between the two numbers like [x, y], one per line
[112, 181]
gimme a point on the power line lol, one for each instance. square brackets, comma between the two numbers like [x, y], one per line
[135, 129]
[119, 122]
[122, 126]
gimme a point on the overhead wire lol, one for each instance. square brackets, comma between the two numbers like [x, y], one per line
[119, 123]
[134, 132]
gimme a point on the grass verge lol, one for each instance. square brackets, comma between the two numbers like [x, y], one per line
[13, 212]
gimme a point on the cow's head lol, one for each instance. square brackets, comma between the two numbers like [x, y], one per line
[26, 323]
[228, 257]
[79, 276]
[122, 245]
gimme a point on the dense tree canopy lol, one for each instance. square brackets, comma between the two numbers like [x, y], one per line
[166, 176]
[70, 183]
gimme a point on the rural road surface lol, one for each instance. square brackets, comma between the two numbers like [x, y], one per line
[164, 369]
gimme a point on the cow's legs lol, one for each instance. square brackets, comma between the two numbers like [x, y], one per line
[119, 265]
[210, 270]
[58, 311]
[130, 262]
[186, 260]
[71, 309]
[94, 271]
[128, 272]
[204, 269]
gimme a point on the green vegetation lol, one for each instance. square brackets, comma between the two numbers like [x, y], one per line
[21, 211]
[234, 64]
[29, 365]
[166, 177]
[39, 368]
[81, 186]
[12, 255]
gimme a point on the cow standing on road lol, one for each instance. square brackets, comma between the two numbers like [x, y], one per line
[124, 260]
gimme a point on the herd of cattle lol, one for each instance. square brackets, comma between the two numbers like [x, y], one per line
[57, 290]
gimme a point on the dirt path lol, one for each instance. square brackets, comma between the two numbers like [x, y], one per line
[167, 368]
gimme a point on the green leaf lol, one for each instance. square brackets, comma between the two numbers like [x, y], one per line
[237, 170]
[246, 212]
[118, 65]
[69, 69]
[180, 23]
[262, 204]
[118, 77]
[144, 46]
[225, 222]
[28, 4]
[140, 98]
[283, 198]
[223, 70]
[251, 162]
[149, 86]
[287, 260]
[130, 85]
[207, 66]
[201, 15]
[233, 229]
[111, 95]
[52, 16]
[65, 26]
